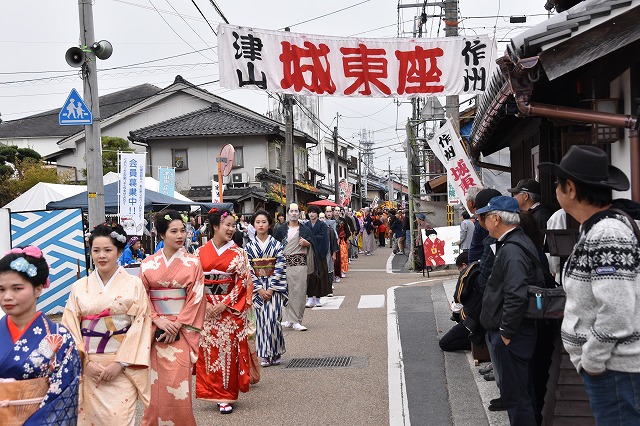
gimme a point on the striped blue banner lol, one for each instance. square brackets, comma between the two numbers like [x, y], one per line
[60, 236]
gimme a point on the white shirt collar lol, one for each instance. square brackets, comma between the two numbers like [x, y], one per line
[106, 286]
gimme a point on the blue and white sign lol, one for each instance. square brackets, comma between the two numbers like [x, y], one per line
[59, 234]
[167, 181]
[75, 112]
[131, 192]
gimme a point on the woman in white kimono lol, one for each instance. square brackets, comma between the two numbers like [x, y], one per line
[109, 317]
[269, 292]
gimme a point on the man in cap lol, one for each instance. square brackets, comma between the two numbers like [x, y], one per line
[601, 324]
[511, 336]
[527, 192]
[479, 233]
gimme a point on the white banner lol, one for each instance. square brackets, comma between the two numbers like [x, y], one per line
[131, 192]
[447, 147]
[441, 245]
[303, 64]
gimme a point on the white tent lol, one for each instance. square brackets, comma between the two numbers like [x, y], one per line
[149, 183]
[41, 194]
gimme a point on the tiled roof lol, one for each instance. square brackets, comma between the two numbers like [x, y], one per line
[211, 121]
[46, 123]
[229, 195]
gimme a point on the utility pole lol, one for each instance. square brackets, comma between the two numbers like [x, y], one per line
[390, 196]
[288, 148]
[451, 30]
[93, 153]
[336, 162]
[360, 197]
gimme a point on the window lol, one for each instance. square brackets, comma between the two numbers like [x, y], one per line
[238, 157]
[180, 159]
[329, 167]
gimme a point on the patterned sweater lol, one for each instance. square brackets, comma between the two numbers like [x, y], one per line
[601, 325]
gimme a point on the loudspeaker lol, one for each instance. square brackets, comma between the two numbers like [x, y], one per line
[74, 57]
[102, 49]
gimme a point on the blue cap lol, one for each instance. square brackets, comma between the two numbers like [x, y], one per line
[500, 203]
[421, 216]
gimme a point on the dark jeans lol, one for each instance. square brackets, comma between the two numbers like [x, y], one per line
[456, 339]
[381, 239]
[513, 364]
[614, 397]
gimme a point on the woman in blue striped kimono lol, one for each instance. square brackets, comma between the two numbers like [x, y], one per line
[270, 289]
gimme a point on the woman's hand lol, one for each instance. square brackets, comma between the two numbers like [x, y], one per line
[215, 310]
[265, 294]
[111, 371]
[168, 326]
[93, 370]
[304, 243]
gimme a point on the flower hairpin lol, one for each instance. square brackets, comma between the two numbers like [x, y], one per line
[185, 219]
[118, 236]
[167, 217]
[22, 265]
[29, 251]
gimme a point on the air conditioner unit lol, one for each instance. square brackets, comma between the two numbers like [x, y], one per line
[225, 179]
[237, 178]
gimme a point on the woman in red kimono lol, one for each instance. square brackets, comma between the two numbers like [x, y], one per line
[175, 284]
[222, 369]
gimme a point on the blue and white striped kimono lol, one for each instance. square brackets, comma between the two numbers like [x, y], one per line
[269, 337]
[44, 350]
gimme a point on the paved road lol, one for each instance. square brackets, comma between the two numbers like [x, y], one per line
[388, 320]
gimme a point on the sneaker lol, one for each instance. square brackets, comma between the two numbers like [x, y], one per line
[317, 302]
[329, 295]
[299, 327]
[496, 405]
[486, 370]
[336, 279]
[368, 254]
[310, 305]
[286, 324]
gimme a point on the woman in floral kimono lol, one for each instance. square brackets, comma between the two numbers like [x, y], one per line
[269, 292]
[39, 365]
[222, 370]
[175, 284]
[108, 315]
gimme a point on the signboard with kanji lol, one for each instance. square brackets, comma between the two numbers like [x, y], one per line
[447, 147]
[167, 181]
[131, 193]
[305, 64]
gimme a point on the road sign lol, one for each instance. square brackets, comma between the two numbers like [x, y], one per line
[75, 112]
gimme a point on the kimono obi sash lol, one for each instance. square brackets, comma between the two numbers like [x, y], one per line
[296, 259]
[168, 301]
[19, 399]
[216, 282]
[103, 333]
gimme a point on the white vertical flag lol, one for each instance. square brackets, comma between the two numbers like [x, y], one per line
[131, 192]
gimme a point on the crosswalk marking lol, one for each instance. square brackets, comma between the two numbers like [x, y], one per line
[330, 302]
[371, 301]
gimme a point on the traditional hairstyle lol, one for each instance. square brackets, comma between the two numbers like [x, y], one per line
[112, 230]
[264, 213]
[163, 219]
[215, 215]
[28, 262]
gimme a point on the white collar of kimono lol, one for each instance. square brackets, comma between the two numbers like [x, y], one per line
[175, 255]
[263, 244]
[106, 286]
[223, 248]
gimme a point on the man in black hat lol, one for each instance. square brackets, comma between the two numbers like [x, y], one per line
[601, 324]
[527, 192]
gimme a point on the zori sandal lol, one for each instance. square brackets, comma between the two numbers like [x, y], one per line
[265, 363]
[225, 408]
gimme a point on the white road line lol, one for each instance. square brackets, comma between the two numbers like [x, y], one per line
[371, 301]
[389, 264]
[330, 302]
[398, 403]
[367, 270]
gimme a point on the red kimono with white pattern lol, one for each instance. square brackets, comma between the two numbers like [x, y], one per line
[222, 369]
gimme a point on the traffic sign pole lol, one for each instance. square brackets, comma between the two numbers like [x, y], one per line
[95, 184]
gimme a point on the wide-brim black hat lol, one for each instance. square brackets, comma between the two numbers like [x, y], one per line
[588, 165]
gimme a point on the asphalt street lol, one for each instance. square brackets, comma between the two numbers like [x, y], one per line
[387, 320]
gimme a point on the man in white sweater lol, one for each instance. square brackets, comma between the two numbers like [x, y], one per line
[601, 325]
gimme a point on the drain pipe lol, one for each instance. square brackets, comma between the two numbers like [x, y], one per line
[576, 114]
[635, 164]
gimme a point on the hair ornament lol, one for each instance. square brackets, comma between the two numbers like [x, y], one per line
[118, 236]
[167, 217]
[22, 265]
[185, 219]
[29, 251]
[213, 210]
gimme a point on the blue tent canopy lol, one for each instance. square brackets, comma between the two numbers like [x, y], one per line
[153, 201]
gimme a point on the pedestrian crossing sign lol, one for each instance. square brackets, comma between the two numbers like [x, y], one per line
[75, 112]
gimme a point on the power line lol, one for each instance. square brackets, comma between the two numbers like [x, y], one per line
[194, 3]
[326, 14]
[215, 6]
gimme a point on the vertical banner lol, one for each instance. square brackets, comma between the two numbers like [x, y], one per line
[447, 147]
[131, 192]
[166, 180]
[441, 245]
[60, 236]
[215, 190]
[345, 192]
[5, 233]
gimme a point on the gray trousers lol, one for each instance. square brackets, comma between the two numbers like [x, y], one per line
[297, 286]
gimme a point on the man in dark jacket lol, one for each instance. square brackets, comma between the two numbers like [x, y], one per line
[504, 304]
[527, 192]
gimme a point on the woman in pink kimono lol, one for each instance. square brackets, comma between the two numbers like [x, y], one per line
[108, 315]
[175, 283]
[222, 370]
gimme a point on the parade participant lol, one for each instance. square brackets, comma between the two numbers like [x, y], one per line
[133, 252]
[38, 358]
[344, 234]
[318, 284]
[192, 239]
[222, 369]
[108, 315]
[367, 234]
[174, 282]
[269, 291]
[297, 241]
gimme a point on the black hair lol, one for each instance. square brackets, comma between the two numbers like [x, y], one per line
[531, 228]
[162, 223]
[313, 209]
[215, 215]
[593, 195]
[42, 269]
[280, 214]
[463, 258]
[105, 230]
[264, 213]
[466, 215]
